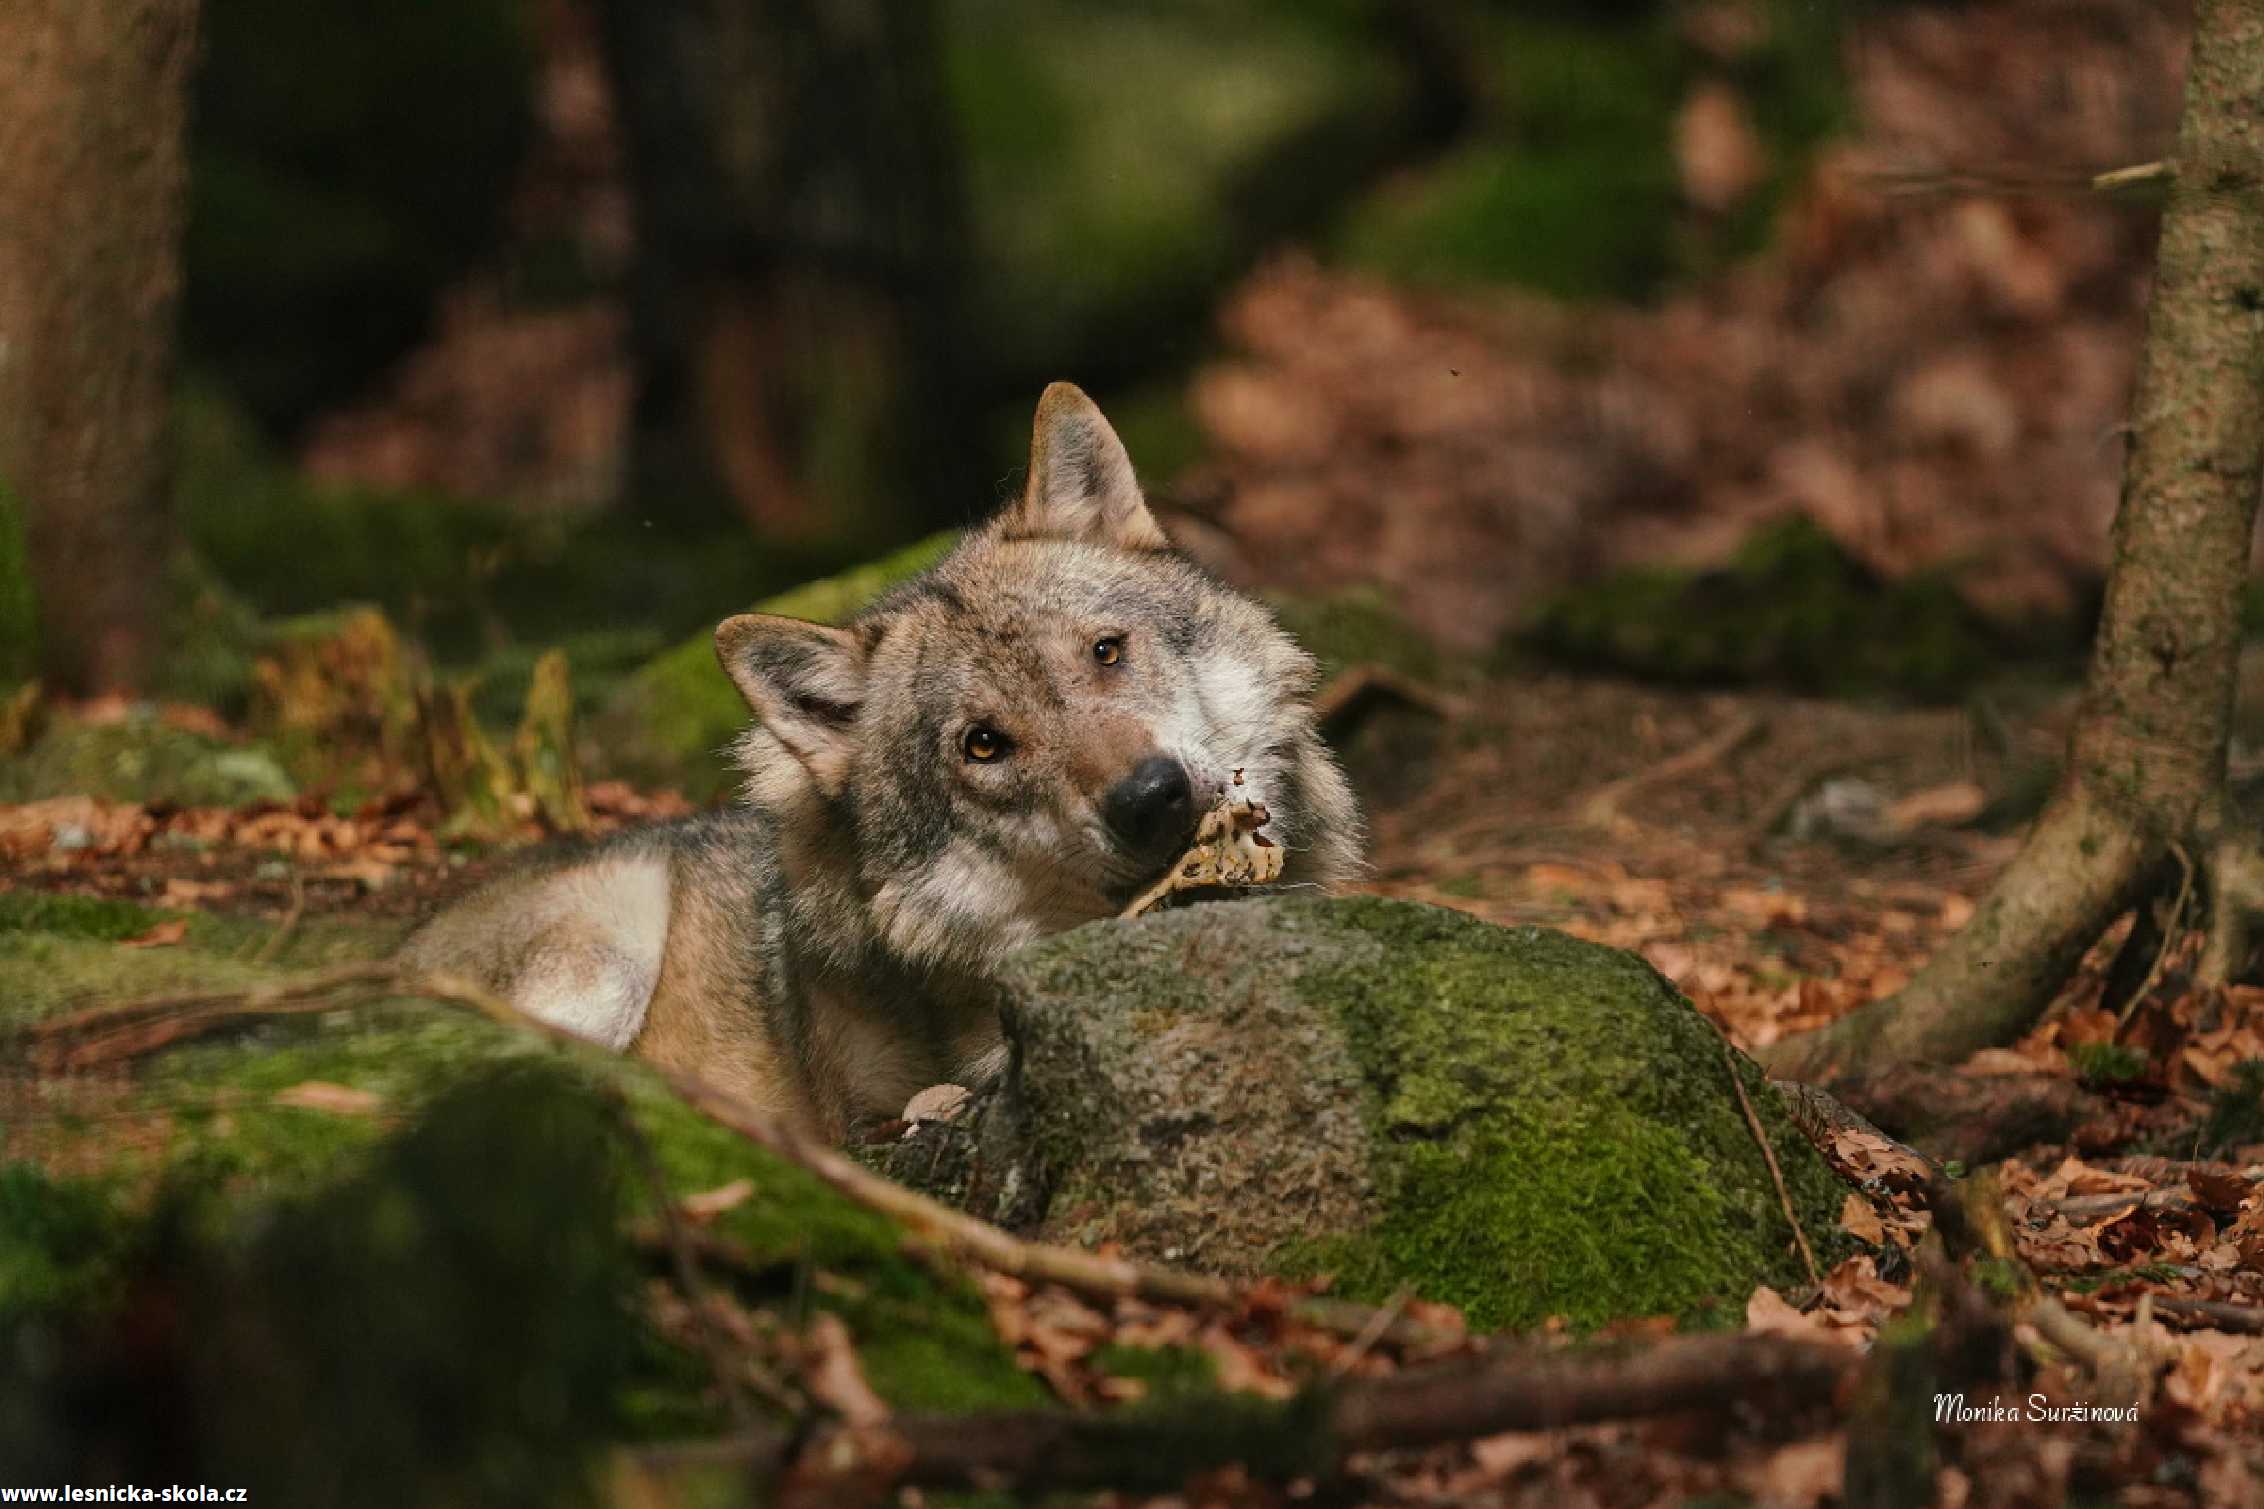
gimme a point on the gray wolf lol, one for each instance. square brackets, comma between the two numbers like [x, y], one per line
[1013, 743]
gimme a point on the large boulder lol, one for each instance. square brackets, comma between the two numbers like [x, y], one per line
[1507, 1119]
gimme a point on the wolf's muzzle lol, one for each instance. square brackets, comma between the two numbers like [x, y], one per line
[1152, 812]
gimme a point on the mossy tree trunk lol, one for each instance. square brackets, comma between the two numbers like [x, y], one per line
[93, 107]
[2146, 766]
[800, 232]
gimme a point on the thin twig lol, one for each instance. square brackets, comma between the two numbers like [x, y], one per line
[1769, 1154]
[2171, 931]
[283, 930]
[2214, 1314]
[1360, 683]
[1601, 809]
[1371, 1333]
[2131, 177]
[129, 1029]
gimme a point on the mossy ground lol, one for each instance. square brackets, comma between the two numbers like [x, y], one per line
[1790, 609]
[1558, 1132]
[294, 1234]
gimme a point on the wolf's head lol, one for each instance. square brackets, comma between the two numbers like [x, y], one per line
[1024, 737]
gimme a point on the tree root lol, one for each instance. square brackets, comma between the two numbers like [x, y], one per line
[2236, 906]
[1972, 1119]
[2076, 874]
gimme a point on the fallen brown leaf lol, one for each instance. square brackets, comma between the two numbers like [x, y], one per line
[164, 935]
[335, 1099]
[710, 1203]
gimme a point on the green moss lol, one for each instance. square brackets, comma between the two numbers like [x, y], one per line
[1117, 157]
[454, 1255]
[1567, 181]
[1791, 608]
[59, 1238]
[97, 918]
[672, 721]
[2107, 1063]
[1358, 627]
[1168, 1372]
[2236, 1111]
[1526, 1173]
[2001, 1277]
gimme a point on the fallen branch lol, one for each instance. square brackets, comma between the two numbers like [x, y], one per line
[2213, 1314]
[1602, 808]
[1310, 1436]
[1366, 682]
[128, 1029]
[273, 945]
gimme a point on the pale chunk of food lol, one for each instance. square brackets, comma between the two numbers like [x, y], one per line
[1229, 851]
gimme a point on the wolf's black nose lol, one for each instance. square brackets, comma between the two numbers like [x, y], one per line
[1152, 810]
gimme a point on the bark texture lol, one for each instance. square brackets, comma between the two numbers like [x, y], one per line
[93, 107]
[799, 239]
[2147, 754]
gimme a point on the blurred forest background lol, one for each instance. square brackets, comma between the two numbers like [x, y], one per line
[1686, 431]
[1724, 340]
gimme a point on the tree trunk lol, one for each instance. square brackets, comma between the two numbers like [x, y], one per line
[2146, 759]
[799, 240]
[93, 110]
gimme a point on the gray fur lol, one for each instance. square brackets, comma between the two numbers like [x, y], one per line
[826, 945]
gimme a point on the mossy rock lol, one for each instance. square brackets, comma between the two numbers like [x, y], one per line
[141, 758]
[1506, 1119]
[431, 1299]
[671, 723]
[1791, 609]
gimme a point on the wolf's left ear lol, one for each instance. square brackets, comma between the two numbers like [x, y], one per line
[1081, 486]
[805, 681]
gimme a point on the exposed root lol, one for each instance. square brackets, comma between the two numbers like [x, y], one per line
[2236, 904]
[2076, 874]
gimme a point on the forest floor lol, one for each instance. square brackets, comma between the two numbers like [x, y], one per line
[1783, 860]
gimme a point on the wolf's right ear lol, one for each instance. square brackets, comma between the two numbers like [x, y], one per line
[805, 681]
[1081, 487]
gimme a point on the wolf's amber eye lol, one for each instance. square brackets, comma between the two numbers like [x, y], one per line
[983, 745]
[1108, 650]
